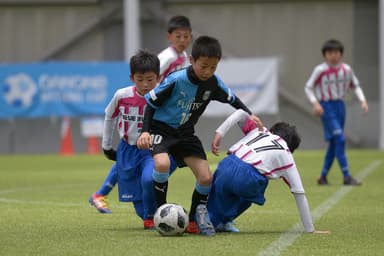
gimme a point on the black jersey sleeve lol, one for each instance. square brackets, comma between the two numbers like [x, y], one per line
[238, 104]
[148, 115]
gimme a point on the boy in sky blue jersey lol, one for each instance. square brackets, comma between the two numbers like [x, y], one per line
[173, 109]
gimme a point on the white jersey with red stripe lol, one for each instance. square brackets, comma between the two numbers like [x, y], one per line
[127, 110]
[171, 60]
[270, 155]
[331, 83]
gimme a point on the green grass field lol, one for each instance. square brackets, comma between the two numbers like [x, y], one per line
[44, 210]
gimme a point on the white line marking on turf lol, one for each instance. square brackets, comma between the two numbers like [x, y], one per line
[287, 238]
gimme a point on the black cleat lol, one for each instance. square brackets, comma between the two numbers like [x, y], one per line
[322, 181]
[350, 181]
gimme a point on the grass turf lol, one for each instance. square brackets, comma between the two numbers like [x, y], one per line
[44, 210]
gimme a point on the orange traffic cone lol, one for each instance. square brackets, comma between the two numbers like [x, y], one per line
[66, 147]
[93, 145]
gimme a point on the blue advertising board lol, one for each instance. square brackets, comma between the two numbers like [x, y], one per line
[59, 88]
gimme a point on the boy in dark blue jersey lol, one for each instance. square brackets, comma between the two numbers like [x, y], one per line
[173, 109]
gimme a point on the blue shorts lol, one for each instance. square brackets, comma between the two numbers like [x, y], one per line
[236, 185]
[131, 164]
[134, 171]
[333, 118]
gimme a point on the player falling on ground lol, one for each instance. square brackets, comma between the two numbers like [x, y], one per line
[174, 108]
[174, 57]
[242, 177]
[325, 89]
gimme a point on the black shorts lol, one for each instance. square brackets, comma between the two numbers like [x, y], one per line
[180, 143]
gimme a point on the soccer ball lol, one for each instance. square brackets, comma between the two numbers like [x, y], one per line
[171, 220]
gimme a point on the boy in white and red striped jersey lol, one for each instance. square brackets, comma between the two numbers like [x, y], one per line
[179, 35]
[172, 58]
[325, 89]
[133, 167]
[242, 177]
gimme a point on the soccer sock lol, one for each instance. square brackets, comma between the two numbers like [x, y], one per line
[199, 196]
[340, 154]
[160, 187]
[329, 157]
[109, 182]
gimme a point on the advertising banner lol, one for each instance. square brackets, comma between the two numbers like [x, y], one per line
[59, 88]
[253, 80]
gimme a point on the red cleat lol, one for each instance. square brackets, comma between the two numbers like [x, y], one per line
[192, 228]
[148, 224]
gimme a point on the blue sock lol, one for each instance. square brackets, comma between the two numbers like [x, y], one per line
[204, 190]
[340, 154]
[160, 177]
[109, 182]
[329, 157]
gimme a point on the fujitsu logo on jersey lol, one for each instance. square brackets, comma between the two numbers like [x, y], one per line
[185, 105]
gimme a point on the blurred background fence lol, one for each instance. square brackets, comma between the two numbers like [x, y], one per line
[291, 31]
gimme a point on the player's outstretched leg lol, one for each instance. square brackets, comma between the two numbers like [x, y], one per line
[203, 222]
[100, 202]
[99, 198]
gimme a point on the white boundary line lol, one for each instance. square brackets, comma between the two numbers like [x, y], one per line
[287, 238]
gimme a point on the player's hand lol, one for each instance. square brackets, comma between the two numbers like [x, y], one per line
[318, 109]
[215, 146]
[110, 154]
[144, 141]
[258, 122]
[364, 107]
[322, 232]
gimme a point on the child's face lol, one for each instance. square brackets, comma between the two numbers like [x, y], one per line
[333, 57]
[180, 39]
[145, 81]
[204, 67]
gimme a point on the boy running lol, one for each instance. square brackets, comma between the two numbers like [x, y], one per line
[126, 109]
[179, 35]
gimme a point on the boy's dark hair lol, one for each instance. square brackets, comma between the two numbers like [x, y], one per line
[206, 46]
[144, 61]
[332, 45]
[178, 21]
[288, 133]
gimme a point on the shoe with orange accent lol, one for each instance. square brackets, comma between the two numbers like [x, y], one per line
[100, 203]
[148, 224]
[192, 228]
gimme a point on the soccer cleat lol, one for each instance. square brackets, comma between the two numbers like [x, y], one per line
[100, 203]
[203, 222]
[192, 228]
[322, 181]
[351, 181]
[148, 224]
[227, 227]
